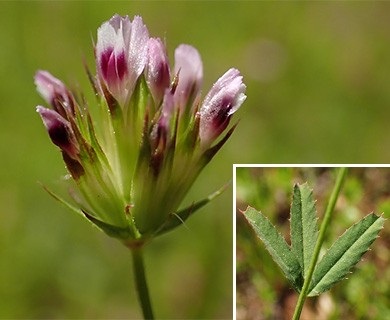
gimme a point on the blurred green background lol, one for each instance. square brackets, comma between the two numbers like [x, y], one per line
[317, 77]
[262, 290]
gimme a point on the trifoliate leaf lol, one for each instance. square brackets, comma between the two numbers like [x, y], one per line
[304, 230]
[345, 253]
[276, 246]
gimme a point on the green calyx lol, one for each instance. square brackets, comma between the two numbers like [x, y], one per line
[129, 234]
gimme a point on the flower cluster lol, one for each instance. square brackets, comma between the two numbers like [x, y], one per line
[133, 162]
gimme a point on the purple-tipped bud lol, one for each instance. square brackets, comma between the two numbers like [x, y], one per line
[157, 69]
[162, 127]
[121, 54]
[189, 66]
[160, 133]
[53, 91]
[60, 131]
[224, 98]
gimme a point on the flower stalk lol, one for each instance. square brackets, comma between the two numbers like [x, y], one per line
[140, 282]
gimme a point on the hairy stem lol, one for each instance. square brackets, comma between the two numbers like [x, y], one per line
[140, 282]
[325, 223]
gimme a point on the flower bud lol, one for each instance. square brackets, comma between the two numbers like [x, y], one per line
[189, 67]
[54, 92]
[60, 131]
[157, 69]
[224, 98]
[160, 133]
[121, 53]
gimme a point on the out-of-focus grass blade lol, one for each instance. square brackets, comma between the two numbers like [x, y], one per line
[304, 230]
[276, 245]
[345, 253]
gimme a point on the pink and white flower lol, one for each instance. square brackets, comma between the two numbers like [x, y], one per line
[224, 99]
[54, 92]
[60, 131]
[121, 55]
[157, 72]
[189, 67]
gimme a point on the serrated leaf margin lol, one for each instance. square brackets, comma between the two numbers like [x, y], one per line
[337, 262]
[276, 245]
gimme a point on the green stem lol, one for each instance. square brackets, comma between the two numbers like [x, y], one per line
[325, 223]
[140, 282]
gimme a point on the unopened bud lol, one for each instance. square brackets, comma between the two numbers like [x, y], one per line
[54, 92]
[190, 68]
[224, 98]
[157, 69]
[60, 131]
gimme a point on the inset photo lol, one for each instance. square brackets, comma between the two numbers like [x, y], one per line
[312, 242]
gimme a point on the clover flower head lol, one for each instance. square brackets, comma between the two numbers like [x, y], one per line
[133, 164]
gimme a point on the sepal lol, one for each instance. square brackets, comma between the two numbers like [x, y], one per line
[178, 218]
[110, 230]
[211, 152]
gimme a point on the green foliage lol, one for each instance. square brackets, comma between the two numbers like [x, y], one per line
[304, 228]
[276, 245]
[258, 278]
[295, 261]
[345, 253]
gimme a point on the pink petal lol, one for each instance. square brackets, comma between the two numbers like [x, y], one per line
[190, 67]
[157, 69]
[224, 98]
[49, 87]
[138, 47]
[121, 53]
[60, 131]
